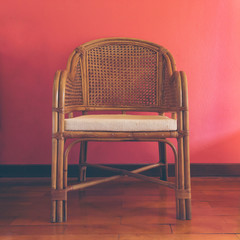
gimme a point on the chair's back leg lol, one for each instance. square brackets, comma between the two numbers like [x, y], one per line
[82, 160]
[163, 160]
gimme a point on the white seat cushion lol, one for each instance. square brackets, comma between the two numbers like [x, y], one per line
[120, 122]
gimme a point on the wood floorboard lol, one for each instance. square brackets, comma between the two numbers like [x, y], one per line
[126, 209]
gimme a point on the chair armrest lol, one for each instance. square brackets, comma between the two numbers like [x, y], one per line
[172, 91]
[184, 85]
[175, 91]
[59, 86]
[67, 87]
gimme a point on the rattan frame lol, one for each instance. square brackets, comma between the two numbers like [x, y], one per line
[70, 95]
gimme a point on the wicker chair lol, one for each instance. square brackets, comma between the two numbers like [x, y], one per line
[120, 74]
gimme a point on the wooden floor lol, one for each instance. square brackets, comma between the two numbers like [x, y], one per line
[126, 209]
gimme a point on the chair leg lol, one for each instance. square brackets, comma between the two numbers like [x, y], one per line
[187, 177]
[82, 159]
[54, 179]
[61, 201]
[183, 191]
[181, 210]
[163, 159]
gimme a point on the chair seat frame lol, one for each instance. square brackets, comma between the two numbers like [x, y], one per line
[60, 149]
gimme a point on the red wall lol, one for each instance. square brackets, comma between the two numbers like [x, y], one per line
[36, 38]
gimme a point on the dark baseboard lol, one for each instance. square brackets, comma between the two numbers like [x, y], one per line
[197, 170]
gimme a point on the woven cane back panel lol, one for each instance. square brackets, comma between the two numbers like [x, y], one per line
[73, 92]
[122, 75]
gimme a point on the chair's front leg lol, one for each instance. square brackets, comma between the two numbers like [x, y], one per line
[60, 202]
[54, 178]
[187, 177]
[58, 194]
[183, 188]
[181, 211]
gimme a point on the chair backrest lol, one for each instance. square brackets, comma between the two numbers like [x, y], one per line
[119, 73]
